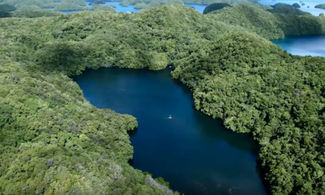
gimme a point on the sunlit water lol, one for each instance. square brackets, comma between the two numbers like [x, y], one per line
[193, 152]
[308, 7]
[303, 45]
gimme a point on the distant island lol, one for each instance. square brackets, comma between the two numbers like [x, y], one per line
[320, 6]
[37, 8]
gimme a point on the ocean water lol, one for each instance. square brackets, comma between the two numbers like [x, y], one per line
[308, 7]
[130, 8]
[303, 45]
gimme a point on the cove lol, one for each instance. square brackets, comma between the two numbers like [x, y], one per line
[303, 45]
[191, 151]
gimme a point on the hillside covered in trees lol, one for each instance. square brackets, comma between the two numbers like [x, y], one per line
[271, 23]
[53, 141]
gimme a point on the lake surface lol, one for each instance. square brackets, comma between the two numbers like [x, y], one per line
[303, 45]
[308, 7]
[193, 152]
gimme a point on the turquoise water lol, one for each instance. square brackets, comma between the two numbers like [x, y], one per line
[130, 8]
[308, 7]
[198, 7]
[119, 8]
[193, 152]
[303, 45]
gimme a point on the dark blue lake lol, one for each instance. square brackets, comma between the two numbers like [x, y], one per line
[303, 45]
[191, 151]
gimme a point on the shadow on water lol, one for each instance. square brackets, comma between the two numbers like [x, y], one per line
[133, 132]
[208, 123]
[190, 150]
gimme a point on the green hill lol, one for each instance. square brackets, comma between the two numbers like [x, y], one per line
[269, 23]
[251, 18]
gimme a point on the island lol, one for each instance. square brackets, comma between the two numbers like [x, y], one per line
[320, 6]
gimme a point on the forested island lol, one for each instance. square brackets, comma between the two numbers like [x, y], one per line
[53, 141]
[321, 6]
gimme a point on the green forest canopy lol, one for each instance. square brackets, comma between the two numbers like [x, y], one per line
[54, 141]
[271, 23]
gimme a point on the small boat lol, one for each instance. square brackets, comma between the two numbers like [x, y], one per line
[170, 117]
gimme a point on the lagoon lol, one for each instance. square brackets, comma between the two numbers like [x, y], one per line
[191, 151]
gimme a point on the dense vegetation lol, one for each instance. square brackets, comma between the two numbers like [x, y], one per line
[271, 23]
[33, 13]
[244, 80]
[282, 8]
[54, 141]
